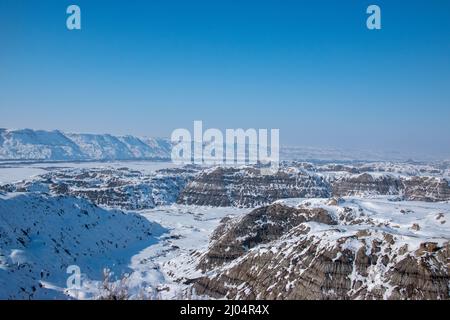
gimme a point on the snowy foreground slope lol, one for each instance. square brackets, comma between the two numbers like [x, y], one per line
[40, 236]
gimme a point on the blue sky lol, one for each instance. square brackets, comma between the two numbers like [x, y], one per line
[310, 68]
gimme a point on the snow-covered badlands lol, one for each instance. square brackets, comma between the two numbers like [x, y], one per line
[128, 229]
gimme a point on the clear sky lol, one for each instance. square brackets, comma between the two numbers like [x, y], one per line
[310, 68]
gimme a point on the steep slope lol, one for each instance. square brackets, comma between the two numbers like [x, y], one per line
[40, 236]
[262, 225]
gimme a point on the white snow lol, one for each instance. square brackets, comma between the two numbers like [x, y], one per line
[173, 259]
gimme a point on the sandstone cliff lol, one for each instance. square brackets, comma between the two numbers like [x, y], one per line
[248, 188]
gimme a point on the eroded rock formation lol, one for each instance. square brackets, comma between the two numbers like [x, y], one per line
[334, 250]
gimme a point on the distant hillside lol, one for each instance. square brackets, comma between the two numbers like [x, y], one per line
[27, 144]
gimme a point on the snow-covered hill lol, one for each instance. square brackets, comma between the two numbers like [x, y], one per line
[41, 235]
[27, 144]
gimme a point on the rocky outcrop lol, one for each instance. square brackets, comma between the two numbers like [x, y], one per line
[420, 188]
[426, 189]
[366, 184]
[118, 188]
[366, 256]
[248, 188]
[262, 225]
